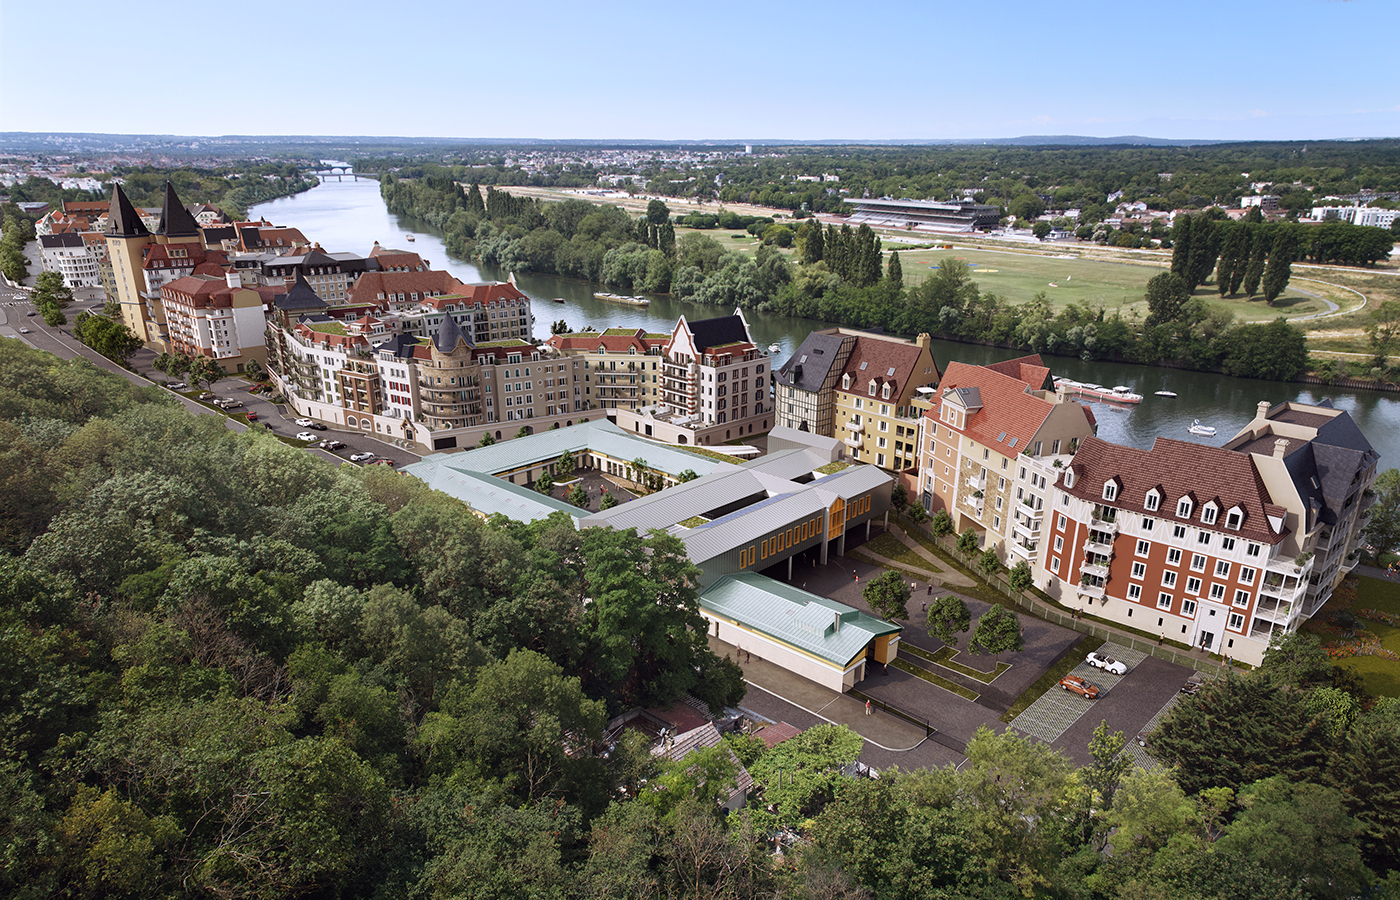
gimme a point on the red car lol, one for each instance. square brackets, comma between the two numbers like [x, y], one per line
[255, 388]
[252, 417]
[1080, 686]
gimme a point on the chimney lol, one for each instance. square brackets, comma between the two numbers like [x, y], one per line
[1280, 448]
[923, 340]
[837, 626]
[1263, 412]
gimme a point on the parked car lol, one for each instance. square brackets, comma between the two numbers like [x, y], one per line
[302, 423]
[331, 445]
[319, 426]
[1079, 686]
[24, 331]
[31, 314]
[207, 396]
[306, 436]
[361, 457]
[252, 416]
[381, 461]
[228, 403]
[1191, 688]
[256, 388]
[1107, 663]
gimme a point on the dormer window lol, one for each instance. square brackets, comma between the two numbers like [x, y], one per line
[846, 382]
[1209, 512]
[1234, 519]
[1110, 490]
[872, 387]
[1153, 501]
[1183, 508]
[885, 392]
[1069, 479]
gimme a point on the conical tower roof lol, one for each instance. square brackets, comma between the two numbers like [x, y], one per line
[175, 220]
[301, 296]
[449, 333]
[122, 219]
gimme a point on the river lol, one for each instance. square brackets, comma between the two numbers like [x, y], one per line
[351, 216]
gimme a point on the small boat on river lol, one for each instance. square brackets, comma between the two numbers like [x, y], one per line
[1119, 394]
[559, 300]
[775, 349]
[1166, 393]
[621, 298]
[1198, 428]
[410, 237]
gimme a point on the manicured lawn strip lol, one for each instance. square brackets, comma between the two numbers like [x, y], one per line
[872, 561]
[1382, 676]
[935, 680]
[944, 658]
[1072, 657]
[891, 547]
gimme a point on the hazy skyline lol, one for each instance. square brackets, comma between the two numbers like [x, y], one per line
[1279, 70]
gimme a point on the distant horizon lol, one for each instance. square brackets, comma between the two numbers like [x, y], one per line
[900, 72]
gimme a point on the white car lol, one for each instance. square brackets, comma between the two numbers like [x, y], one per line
[303, 423]
[1107, 663]
[361, 457]
[24, 331]
[307, 436]
[177, 386]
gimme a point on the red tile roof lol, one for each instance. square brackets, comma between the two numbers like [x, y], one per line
[614, 343]
[369, 286]
[1028, 369]
[1177, 469]
[480, 294]
[1010, 412]
[872, 359]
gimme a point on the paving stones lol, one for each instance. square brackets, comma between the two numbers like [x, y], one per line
[1056, 710]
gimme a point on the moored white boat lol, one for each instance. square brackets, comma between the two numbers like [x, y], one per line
[775, 348]
[1198, 428]
[1118, 394]
[1166, 393]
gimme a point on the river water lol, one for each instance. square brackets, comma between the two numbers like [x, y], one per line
[351, 216]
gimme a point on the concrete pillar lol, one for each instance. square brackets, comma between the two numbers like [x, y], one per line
[887, 520]
[867, 529]
[789, 568]
[841, 544]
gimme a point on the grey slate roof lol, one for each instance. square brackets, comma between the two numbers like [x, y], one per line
[401, 345]
[66, 239]
[808, 368]
[122, 218]
[794, 617]
[718, 331]
[449, 334]
[301, 296]
[175, 220]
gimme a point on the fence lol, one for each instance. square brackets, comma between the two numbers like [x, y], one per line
[1066, 619]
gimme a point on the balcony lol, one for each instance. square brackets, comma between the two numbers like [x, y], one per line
[853, 440]
[976, 483]
[1096, 569]
[1098, 547]
[1108, 526]
[1027, 550]
[1027, 530]
[1094, 591]
[975, 503]
[855, 426]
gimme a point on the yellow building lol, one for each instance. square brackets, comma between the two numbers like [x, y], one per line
[875, 413]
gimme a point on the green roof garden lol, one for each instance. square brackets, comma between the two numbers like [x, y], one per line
[327, 327]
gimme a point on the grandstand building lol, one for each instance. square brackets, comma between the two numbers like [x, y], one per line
[925, 215]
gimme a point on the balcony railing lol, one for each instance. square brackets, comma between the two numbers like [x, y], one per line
[1093, 546]
[1091, 590]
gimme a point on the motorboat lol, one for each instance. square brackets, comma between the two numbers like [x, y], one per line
[559, 300]
[1166, 393]
[1198, 428]
[775, 348]
[621, 298]
[410, 237]
[1118, 394]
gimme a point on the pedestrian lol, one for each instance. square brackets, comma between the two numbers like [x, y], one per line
[867, 707]
[1160, 638]
[930, 588]
[923, 607]
[748, 657]
[804, 585]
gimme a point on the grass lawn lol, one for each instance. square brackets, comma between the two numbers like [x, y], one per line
[944, 658]
[1382, 676]
[891, 547]
[872, 561]
[1019, 276]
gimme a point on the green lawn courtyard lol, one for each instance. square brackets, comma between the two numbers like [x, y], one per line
[1372, 650]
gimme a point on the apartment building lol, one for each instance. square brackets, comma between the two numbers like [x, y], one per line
[991, 440]
[713, 387]
[215, 316]
[875, 412]
[70, 255]
[1218, 547]
[143, 261]
[623, 365]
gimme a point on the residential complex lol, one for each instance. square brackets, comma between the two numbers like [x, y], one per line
[1221, 548]
[625, 362]
[859, 387]
[992, 439]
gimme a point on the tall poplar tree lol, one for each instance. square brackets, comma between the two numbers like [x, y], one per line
[1280, 266]
[895, 272]
[1182, 232]
[1259, 252]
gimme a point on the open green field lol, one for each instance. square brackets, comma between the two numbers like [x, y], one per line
[1382, 676]
[1114, 286]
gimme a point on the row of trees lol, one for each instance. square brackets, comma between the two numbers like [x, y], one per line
[837, 277]
[49, 294]
[16, 230]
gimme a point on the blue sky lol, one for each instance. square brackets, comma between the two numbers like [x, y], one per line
[1223, 69]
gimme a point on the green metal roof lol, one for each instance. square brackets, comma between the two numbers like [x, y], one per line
[794, 617]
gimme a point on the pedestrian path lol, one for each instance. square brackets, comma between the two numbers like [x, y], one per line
[1056, 710]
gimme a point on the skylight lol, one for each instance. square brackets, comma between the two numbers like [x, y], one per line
[1013, 443]
[863, 365]
[1001, 437]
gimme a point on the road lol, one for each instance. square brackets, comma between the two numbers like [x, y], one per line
[15, 310]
